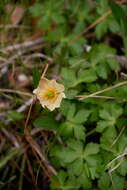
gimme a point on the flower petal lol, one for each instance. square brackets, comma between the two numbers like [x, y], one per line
[59, 87]
[45, 85]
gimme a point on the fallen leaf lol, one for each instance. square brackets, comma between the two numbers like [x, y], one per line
[17, 15]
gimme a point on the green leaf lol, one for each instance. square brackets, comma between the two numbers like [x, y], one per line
[69, 129]
[93, 161]
[117, 11]
[72, 183]
[46, 122]
[65, 105]
[102, 71]
[59, 180]
[62, 177]
[8, 157]
[69, 77]
[101, 125]
[120, 16]
[81, 116]
[70, 155]
[114, 26]
[66, 129]
[92, 172]
[58, 18]
[113, 64]
[76, 145]
[76, 48]
[104, 182]
[77, 166]
[79, 132]
[104, 114]
[36, 77]
[90, 149]
[71, 111]
[71, 93]
[123, 168]
[44, 22]
[101, 29]
[108, 136]
[109, 114]
[16, 116]
[77, 62]
[118, 182]
[88, 75]
[36, 10]
[85, 181]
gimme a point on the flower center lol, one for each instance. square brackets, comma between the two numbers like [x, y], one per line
[50, 94]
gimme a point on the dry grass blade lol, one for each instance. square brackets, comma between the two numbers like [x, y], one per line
[16, 92]
[9, 156]
[100, 19]
[118, 157]
[27, 44]
[37, 149]
[82, 97]
[30, 168]
[35, 55]
[11, 137]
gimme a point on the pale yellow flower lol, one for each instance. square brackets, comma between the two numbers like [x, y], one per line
[49, 93]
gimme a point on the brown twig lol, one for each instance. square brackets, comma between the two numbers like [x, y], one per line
[29, 112]
[109, 98]
[45, 70]
[40, 55]
[30, 168]
[27, 44]
[36, 148]
[81, 97]
[15, 92]
[11, 137]
[13, 58]
[10, 26]
[100, 19]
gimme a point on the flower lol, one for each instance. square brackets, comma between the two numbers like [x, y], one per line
[49, 93]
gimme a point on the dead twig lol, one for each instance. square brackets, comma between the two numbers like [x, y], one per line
[100, 19]
[121, 157]
[11, 137]
[120, 58]
[123, 74]
[29, 112]
[109, 98]
[40, 55]
[45, 70]
[10, 26]
[15, 92]
[36, 148]
[114, 142]
[82, 97]
[12, 58]
[3, 141]
[27, 44]
[25, 105]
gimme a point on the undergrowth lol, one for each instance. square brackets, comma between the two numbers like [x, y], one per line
[83, 143]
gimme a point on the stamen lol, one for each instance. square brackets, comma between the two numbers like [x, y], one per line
[50, 94]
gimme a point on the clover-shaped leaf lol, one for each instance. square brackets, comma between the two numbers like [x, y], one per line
[109, 115]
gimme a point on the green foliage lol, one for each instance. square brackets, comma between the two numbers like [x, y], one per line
[36, 77]
[15, 116]
[8, 157]
[79, 160]
[46, 122]
[120, 17]
[83, 139]
[87, 132]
